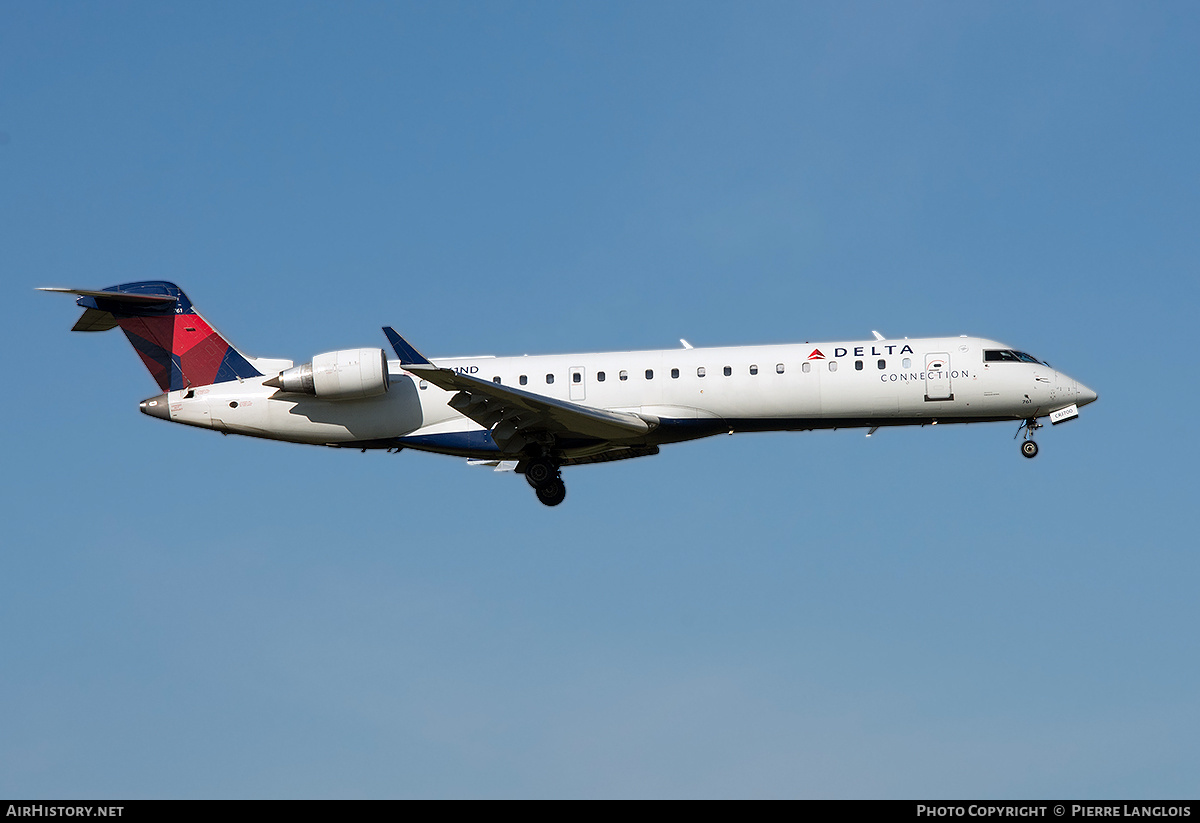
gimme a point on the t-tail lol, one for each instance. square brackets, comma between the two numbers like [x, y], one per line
[177, 345]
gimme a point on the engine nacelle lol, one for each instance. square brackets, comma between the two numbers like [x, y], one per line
[337, 375]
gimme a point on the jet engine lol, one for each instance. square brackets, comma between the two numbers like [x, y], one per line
[340, 375]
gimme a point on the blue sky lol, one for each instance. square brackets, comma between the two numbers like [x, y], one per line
[920, 614]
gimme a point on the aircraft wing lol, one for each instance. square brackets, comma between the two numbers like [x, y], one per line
[515, 416]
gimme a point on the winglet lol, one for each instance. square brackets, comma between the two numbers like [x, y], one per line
[407, 354]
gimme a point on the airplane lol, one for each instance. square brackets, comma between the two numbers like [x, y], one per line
[535, 415]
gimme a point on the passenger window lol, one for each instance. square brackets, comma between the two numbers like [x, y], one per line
[728, 370]
[700, 372]
[675, 373]
[806, 368]
[624, 375]
[549, 378]
[833, 365]
[754, 369]
[649, 374]
[858, 365]
[495, 379]
[907, 362]
[524, 379]
[599, 377]
[575, 377]
[423, 384]
[882, 364]
[779, 368]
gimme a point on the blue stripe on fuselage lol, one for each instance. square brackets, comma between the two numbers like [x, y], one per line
[462, 443]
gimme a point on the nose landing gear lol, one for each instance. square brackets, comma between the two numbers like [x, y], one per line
[543, 474]
[1028, 447]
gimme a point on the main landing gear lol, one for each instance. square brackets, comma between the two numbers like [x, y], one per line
[1028, 447]
[544, 476]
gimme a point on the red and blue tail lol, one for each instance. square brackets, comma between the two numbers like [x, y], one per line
[178, 347]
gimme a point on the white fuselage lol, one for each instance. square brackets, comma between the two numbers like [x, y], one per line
[686, 393]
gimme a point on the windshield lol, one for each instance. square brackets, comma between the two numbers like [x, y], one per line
[1009, 356]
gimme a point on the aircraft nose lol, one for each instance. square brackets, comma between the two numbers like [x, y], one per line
[156, 407]
[1083, 395]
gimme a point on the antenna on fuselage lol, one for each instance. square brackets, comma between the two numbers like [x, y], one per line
[878, 336]
[686, 344]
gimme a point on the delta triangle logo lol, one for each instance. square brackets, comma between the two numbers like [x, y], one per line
[816, 355]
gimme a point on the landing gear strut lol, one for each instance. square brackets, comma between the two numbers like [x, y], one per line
[543, 474]
[1029, 448]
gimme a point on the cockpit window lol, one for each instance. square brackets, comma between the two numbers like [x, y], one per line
[1008, 356]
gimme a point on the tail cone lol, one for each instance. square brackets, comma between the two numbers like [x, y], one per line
[156, 407]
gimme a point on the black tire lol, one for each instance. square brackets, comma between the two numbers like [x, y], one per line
[540, 472]
[1029, 448]
[552, 493]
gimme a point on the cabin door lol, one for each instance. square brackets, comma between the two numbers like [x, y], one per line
[937, 376]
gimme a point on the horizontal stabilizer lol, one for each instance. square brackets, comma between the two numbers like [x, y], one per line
[126, 298]
[95, 320]
[99, 305]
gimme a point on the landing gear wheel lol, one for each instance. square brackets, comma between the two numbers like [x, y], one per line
[1028, 448]
[552, 493]
[540, 472]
